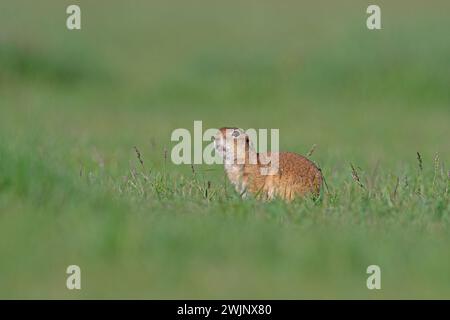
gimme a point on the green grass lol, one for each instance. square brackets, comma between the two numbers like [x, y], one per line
[74, 104]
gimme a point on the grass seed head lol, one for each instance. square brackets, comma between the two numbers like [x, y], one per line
[139, 156]
[355, 176]
[419, 159]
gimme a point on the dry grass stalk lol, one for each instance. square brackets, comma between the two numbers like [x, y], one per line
[448, 182]
[208, 186]
[165, 164]
[436, 167]
[311, 151]
[324, 180]
[81, 170]
[139, 156]
[394, 194]
[355, 176]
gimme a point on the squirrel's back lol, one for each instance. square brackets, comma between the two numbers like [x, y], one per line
[296, 176]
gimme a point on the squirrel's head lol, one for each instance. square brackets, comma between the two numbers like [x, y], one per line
[233, 144]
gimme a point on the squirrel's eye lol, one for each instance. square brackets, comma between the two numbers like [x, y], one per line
[235, 134]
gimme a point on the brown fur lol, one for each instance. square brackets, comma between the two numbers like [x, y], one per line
[297, 176]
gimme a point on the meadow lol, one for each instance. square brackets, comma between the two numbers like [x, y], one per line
[85, 170]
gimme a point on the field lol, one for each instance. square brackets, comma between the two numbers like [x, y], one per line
[75, 104]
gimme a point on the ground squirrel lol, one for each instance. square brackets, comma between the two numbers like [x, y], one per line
[295, 175]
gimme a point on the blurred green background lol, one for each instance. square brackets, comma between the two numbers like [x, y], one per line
[74, 104]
